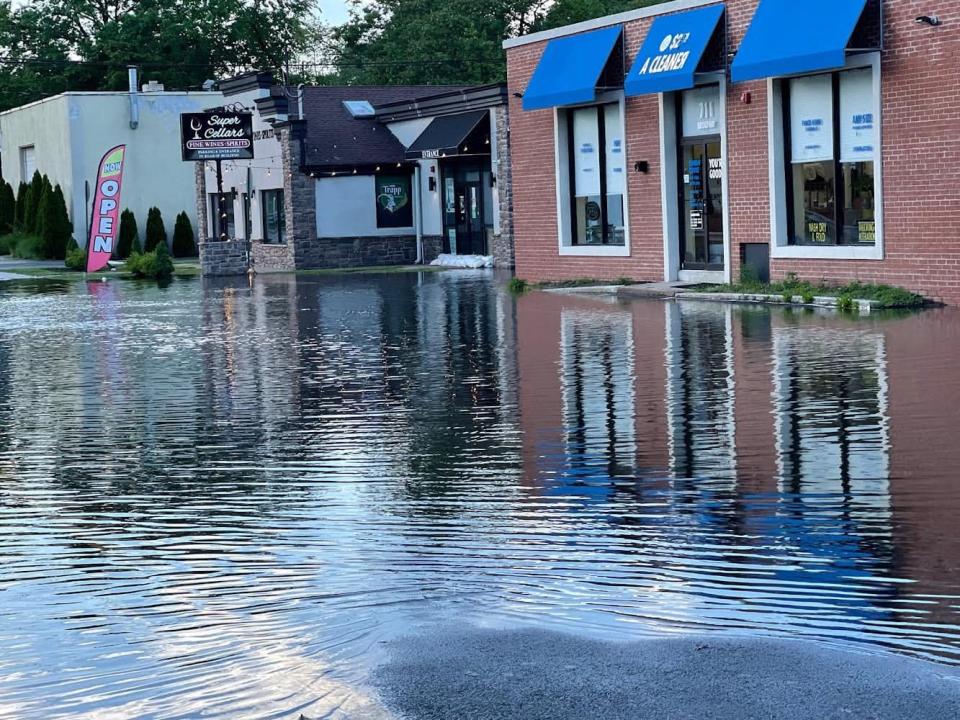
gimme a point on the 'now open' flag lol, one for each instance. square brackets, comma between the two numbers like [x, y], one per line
[106, 210]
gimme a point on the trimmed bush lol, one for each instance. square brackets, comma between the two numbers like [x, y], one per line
[156, 265]
[156, 232]
[76, 257]
[31, 214]
[7, 208]
[27, 247]
[5, 244]
[183, 241]
[128, 239]
[19, 206]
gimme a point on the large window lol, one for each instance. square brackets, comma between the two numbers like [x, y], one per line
[596, 175]
[221, 212]
[830, 133]
[274, 225]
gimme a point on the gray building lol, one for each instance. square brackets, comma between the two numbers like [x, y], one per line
[347, 176]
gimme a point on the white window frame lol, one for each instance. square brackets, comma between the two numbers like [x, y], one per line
[779, 232]
[24, 176]
[565, 244]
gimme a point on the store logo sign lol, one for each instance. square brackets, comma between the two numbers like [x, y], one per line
[671, 58]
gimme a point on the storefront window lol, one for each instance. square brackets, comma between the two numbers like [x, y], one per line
[221, 212]
[274, 225]
[831, 125]
[596, 175]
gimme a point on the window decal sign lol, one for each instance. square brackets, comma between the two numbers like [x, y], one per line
[857, 122]
[106, 209]
[393, 201]
[811, 119]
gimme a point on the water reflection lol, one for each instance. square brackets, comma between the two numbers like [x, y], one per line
[216, 498]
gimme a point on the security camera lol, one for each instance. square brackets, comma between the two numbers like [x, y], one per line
[931, 20]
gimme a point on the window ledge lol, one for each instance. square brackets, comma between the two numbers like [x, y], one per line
[829, 252]
[595, 250]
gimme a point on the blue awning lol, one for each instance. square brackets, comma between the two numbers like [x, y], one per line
[787, 37]
[672, 51]
[570, 69]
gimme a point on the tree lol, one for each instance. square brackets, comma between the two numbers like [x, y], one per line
[156, 232]
[128, 239]
[20, 205]
[7, 208]
[183, 241]
[46, 224]
[32, 203]
[86, 44]
[410, 41]
[61, 218]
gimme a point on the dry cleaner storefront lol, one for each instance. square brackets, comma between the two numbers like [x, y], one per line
[691, 138]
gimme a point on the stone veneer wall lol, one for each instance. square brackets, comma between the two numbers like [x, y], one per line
[223, 257]
[502, 244]
[270, 257]
[299, 195]
[365, 251]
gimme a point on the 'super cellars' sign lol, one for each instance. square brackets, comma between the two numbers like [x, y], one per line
[216, 136]
[106, 209]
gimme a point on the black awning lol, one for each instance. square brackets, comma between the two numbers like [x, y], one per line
[450, 135]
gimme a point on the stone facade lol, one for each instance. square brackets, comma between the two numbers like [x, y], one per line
[365, 251]
[501, 246]
[224, 257]
[271, 257]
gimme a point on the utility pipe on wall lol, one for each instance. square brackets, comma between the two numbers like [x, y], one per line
[417, 212]
[134, 98]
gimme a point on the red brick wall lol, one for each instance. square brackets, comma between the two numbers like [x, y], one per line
[921, 174]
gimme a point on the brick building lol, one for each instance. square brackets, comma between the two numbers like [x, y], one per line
[347, 176]
[685, 140]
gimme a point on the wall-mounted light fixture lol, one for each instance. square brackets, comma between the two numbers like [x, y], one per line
[518, 95]
[641, 166]
[931, 20]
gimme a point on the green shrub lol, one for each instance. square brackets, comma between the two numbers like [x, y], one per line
[808, 298]
[27, 247]
[518, 286]
[76, 257]
[624, 281]
[5, 244]
[156, 265]
[31, 215]
[787, 296]
[183, 242]
[128, 239]
[845, 304]
[156, 233]
[20, 205]
[8, 205]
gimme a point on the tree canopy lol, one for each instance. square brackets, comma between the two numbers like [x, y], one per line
[49, 46]
[447, 41]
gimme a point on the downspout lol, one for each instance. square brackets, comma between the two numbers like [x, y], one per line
[418, 212]
[134, 98]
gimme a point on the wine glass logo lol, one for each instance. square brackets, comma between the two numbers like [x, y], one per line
[196, 126]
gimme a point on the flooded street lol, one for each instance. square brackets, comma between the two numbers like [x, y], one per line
[220, 500]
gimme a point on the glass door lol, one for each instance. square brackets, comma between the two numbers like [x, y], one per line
[701, 181]
[464, 210]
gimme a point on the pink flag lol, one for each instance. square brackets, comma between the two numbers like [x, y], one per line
[106, 210]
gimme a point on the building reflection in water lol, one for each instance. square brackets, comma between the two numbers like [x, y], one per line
[767, 464]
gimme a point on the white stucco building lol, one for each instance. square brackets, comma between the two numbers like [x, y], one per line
[65, 136]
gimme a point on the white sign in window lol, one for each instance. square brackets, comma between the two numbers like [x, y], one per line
[701, 111]
[586, 152]
[811, 119]
[615, 154]
[857, 121]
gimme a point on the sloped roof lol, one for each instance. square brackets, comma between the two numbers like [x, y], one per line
[334, 138]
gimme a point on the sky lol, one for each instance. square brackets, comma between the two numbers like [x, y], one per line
[334, 11]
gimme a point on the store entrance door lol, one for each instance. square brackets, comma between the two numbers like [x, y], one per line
[467, 204]
[701, 191]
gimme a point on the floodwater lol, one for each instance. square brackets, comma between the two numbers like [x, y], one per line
[220, 500]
